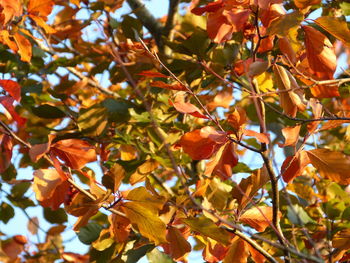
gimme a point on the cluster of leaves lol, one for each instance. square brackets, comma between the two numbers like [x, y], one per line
[184, 103]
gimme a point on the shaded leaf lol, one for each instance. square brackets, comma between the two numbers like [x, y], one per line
[335, 27]
[179, 247]
[48, 112]
[142, 171]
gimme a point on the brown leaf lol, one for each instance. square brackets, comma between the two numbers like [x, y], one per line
[74, 152]
[258, 218]
[6, 146]
[291, 135]
[33, 224]
[152, 74]
[178, 246]
[293, 166]
[163, 85]
[238, 251]
[248, 187]
[293, 100]
[185, 107]
[223, 162]
[331, 165]
[320, 54]
[237, 119]
[49, 188]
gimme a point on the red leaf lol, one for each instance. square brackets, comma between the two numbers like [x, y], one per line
[12, 87]
[163, 85]
[152, 74]
[185, 107]
[7, 102]
[293, 166]
[211, 7]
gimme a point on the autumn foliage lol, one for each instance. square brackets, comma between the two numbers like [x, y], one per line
[219, 131]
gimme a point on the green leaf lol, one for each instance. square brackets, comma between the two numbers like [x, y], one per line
[89, 233]
[297, 215]
[117, 110]
[155, 256]
[133, 255]
[208, 228]
[47, 111]
[345, 7]
[58, 216]
[6, 212]
[19, 189]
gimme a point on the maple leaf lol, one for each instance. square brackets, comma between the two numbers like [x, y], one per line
[202, 143]
[49, 188]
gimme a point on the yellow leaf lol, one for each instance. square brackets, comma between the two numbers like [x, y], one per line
[331, 165]
[142, 171]
[127, 152]
[265, 82]
[207, 228]
[41, 22]
[336, 27]
[341, 239]
[147, 222]
[145, 198]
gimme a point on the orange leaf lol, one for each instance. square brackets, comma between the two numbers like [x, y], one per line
[222, 99]
[185, 107]
[74, 152]
[238, 251]
[49, 188]
[7, 39]
[331, 164]
[291, 135]
[256, 255]
[320, 54]
[223, 162]
[200, 145]
[336, 27]
[74, 257]
[163, 85]
[5, 152]
[11, 8]
[258, 218]
[293, 166]
[120, 227]
[41, 22]
[211, 7]
[40, 7]
[301, 4]
[237, 119]
[24, 47]
[261, 137]
[12, 87]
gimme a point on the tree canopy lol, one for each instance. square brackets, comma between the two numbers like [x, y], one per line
[221, 128]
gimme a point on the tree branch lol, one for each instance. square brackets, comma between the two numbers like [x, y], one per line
[173, 7]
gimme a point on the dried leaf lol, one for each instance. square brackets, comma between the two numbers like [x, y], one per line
[258, 218]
